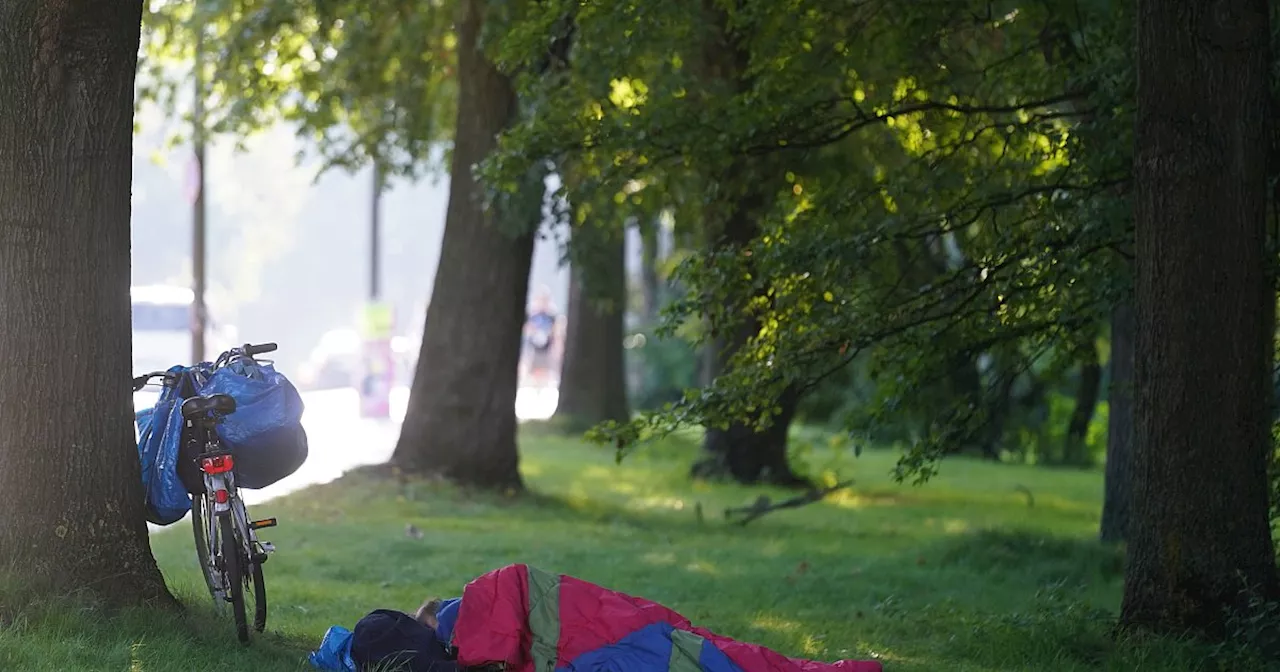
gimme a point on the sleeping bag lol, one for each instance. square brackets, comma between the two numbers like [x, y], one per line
[533, 621]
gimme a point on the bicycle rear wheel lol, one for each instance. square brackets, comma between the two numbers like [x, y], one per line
[200, 515]
[233, 569]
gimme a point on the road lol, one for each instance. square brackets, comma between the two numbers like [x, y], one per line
[340, 440]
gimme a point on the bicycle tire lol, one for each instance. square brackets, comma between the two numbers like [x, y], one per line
[232, 569]
[200, 530]
[259, 597]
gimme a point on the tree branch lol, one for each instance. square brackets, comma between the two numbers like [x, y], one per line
[763, 505]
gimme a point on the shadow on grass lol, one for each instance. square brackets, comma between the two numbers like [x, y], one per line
[64, 634]
[1055, 559]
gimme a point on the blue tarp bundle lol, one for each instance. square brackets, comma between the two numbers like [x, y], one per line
[264, 434]
[159, 440]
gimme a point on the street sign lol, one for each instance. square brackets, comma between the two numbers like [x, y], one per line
[191, 185]
[377, 323]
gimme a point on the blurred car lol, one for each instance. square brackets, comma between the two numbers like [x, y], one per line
[336, 361]
[162, 321]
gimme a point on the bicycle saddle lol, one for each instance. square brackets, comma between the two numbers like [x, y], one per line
[195, 407]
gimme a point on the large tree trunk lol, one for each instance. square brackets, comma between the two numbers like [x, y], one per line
[732, 220]
[1118, 477]
[739, 452]
[460, 422]
[1088, 388]
[1199, 534]
[593, 383]
[74, 518]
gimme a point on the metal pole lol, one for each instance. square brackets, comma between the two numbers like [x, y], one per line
[198, 285]
[375, 224]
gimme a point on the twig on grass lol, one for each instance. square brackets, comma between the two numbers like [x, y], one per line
[764, 505]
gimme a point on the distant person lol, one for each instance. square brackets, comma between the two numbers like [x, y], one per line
[543, 342]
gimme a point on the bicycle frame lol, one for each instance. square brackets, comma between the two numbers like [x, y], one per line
[217, 467]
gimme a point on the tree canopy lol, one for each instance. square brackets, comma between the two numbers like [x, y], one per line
[941, 187]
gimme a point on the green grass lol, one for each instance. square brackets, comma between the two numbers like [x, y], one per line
[962, 574]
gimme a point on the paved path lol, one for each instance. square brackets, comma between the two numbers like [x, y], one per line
[340, 440]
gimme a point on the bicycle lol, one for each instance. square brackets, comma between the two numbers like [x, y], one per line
[227, 545]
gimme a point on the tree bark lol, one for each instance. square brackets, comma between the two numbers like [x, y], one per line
[650, 285]
[74, 519]
[593, 384]
[460, 422]
[1118, 476]
[1200, 535]
[1076, 453]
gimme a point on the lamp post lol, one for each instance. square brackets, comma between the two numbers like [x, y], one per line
[199, 314]
[375, 225]
[379, 360]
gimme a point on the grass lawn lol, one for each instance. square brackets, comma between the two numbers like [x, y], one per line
[965, 573]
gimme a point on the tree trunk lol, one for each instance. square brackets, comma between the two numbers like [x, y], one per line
[740, 452]
[732, 219]
[1000, 404]
[1076, 451]
[709, 360]
[593, 384]
[1119, 468]
[1200, 534]
[74, 518]
[750, 457]
[650, 285]
[460, 422]
[964, 390]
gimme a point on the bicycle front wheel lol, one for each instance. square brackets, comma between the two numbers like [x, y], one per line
[233, 569]
[259, 596]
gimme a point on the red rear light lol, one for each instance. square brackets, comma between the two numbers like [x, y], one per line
[217, 465]
[220, 496]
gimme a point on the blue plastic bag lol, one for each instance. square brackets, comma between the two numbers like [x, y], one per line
[159, 443]
[265, 432]
[334, 654]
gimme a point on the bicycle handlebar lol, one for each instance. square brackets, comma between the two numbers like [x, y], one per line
[247, 350]
[259, 349]
[141, 381]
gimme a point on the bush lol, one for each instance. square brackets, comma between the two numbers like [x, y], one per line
[660, 369]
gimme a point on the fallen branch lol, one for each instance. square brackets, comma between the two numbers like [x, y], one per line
[764, 504]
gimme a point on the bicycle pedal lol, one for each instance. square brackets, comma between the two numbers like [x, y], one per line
[260, 524]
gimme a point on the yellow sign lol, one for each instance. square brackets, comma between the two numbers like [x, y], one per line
[377, 321]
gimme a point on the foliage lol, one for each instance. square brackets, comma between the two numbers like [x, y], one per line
[665, 368]
[361, 82]
[940, 191]
[959, 576]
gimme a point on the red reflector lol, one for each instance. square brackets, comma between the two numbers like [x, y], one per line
[220, 496]
[217, 465]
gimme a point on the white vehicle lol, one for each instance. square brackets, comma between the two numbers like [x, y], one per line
[162, 318]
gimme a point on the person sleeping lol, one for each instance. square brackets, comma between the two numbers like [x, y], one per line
[387, 641]
[521, 619]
